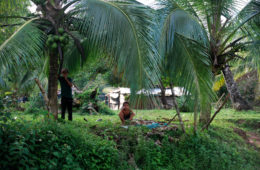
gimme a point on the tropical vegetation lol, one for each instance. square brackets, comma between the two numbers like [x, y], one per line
[208, 49]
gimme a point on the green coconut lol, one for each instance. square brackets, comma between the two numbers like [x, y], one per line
[48, 42]
[61, 30]
[62, 39]
[66, 35]
[54, 46]
[50, 38]
[56, 38]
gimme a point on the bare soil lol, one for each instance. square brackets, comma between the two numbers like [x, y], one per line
[250, 137]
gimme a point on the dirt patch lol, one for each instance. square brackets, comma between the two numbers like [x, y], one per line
[254, 139]
[241, 121]
[251, 138]
[120, 134]
[253, 124]
[241, 133]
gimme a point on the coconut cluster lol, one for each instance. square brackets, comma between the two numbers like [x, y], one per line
[53, 40]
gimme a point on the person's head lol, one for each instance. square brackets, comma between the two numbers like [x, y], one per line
[126, 105]
[65, 72]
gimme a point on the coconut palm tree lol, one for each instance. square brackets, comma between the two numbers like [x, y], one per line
[185, 61]
[217, 27]
[119, 30]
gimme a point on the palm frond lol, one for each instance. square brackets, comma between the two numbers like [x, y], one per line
[26, 45]
[11, 4]
[176, 20]
[2, 83]
[26, 78]
[188, 65]
[122, 31]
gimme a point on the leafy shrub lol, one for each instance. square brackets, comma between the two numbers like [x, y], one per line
[70, 145]
[51, 145]
[37, 101]
[104, 109]
[85, 96]
[34, 107]
[190, 151]
[85, 100]
[202, 152]
[148, 155]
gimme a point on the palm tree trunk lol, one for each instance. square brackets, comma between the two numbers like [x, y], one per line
[205, 114]
[53, 84]
[237, 101]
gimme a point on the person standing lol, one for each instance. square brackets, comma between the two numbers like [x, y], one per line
[66, 93]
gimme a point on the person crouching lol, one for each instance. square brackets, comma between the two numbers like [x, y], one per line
[126, 113]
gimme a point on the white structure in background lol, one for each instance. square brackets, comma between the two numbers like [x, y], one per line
[178, 91]
[115, 97]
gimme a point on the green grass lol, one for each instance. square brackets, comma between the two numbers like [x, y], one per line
[225, 118]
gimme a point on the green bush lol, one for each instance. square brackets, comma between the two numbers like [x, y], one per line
[52, 145]
[34, 107]
[85, 96]
[104, 109]
[73, 145]
[178, 151]
[85, 100]
[202, 152]
[37, 101]
[192, 152]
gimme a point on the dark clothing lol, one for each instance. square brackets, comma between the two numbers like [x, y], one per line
[66, 103]
[127, 117]
[66, 97]
[66, 90]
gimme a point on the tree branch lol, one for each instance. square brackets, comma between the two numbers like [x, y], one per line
[177, 108]
[46, 100]
[215, 114]
[233, 43]
[223, 26]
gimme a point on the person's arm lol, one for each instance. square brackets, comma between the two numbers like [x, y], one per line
[121, 116]
[132, 115]
[68, 81]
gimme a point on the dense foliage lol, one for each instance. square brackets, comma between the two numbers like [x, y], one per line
[62, 145]
[52, 145]
[125, 43]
